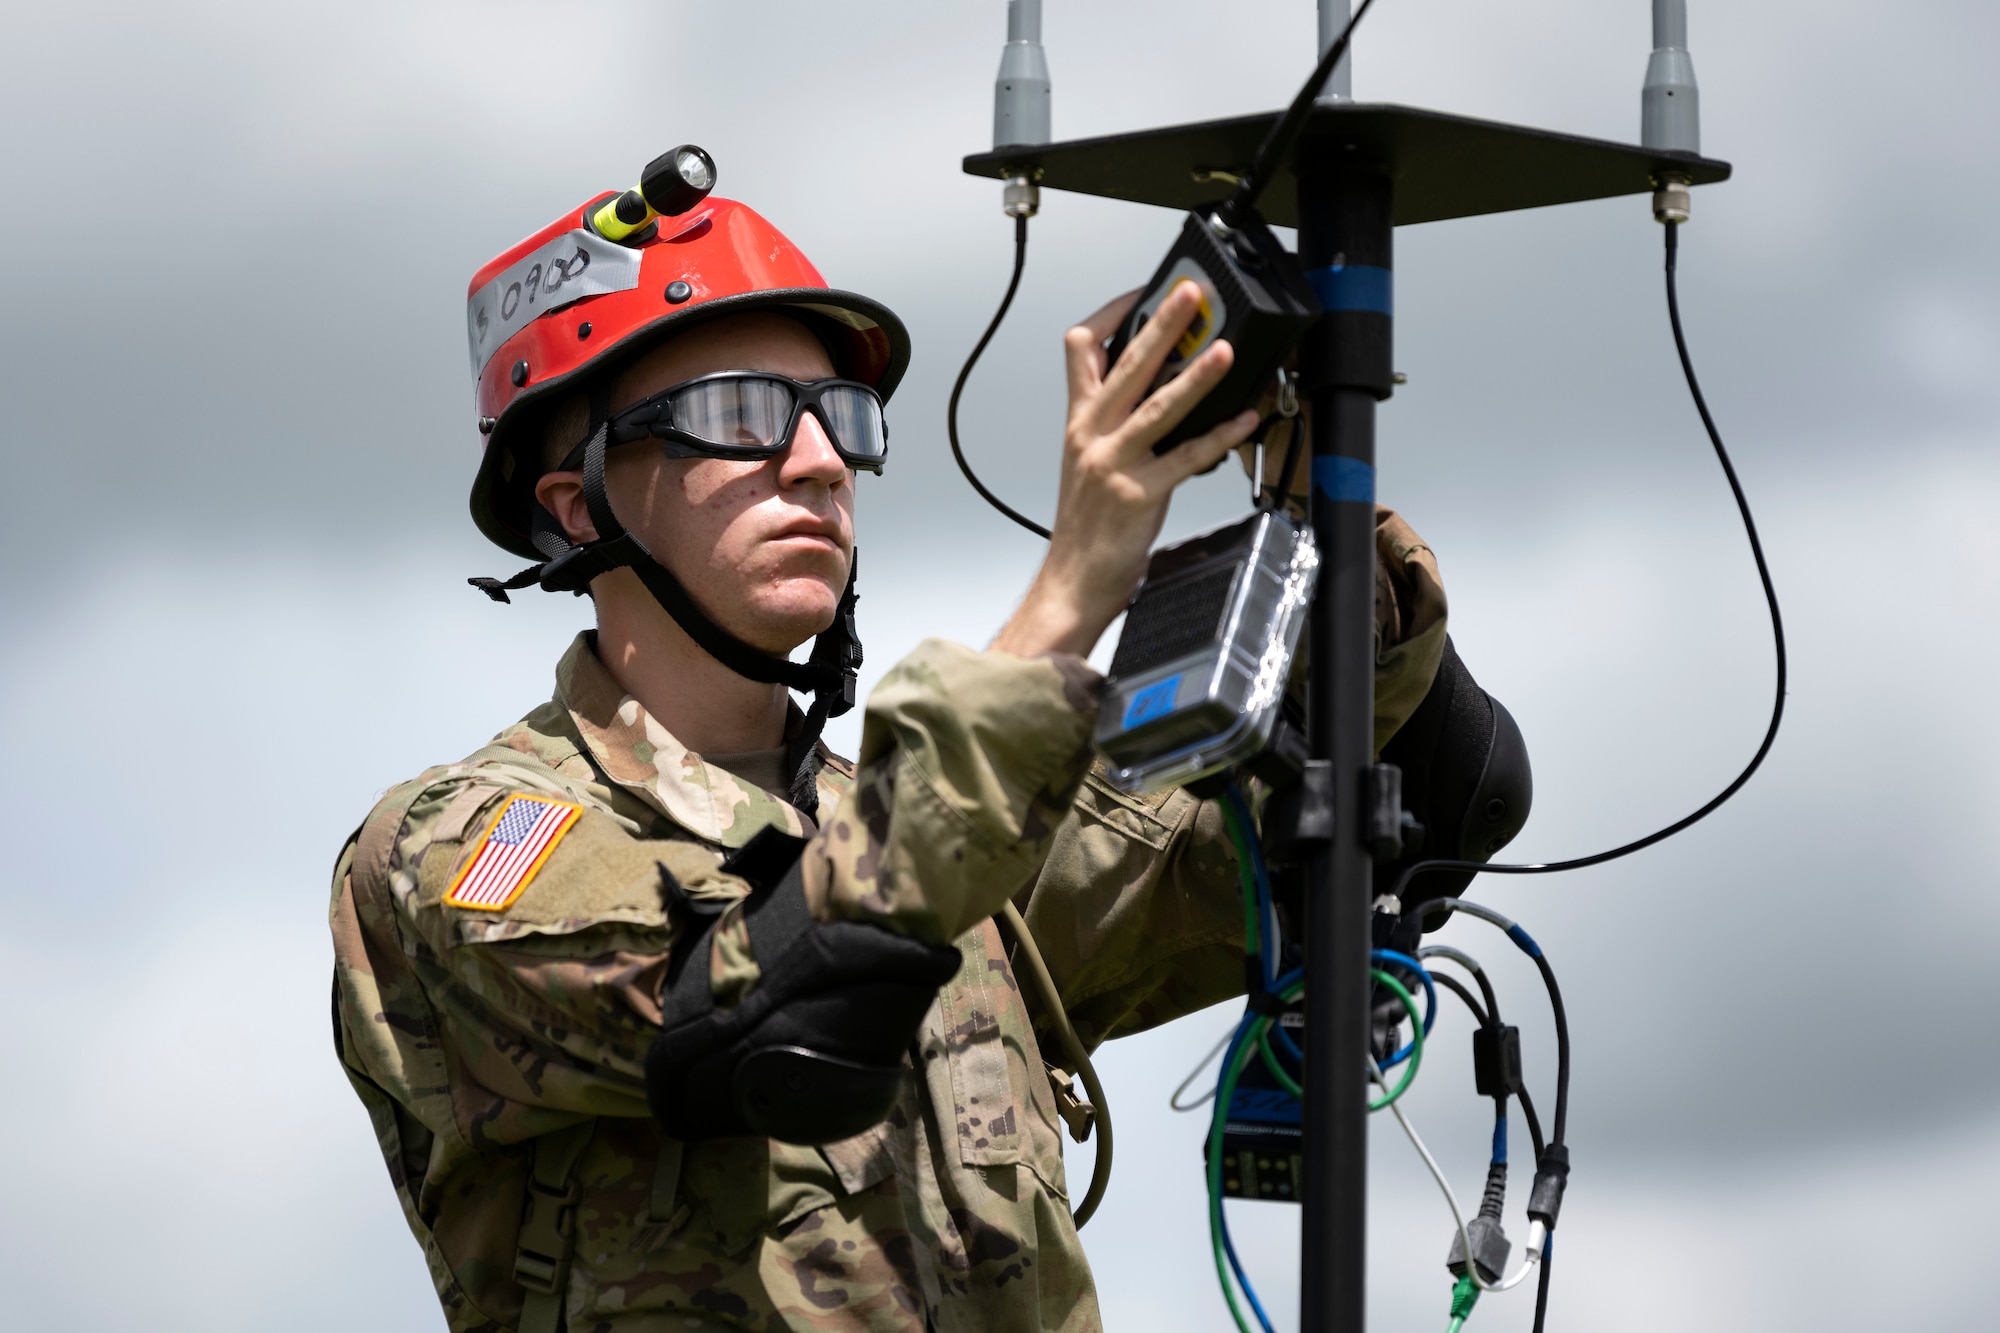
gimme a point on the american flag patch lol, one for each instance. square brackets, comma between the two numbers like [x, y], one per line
[513, 848]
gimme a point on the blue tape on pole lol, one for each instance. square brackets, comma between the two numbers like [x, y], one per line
[1353, 287]
[1340, 478]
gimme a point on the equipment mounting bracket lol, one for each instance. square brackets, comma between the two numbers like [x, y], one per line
[1444, 166]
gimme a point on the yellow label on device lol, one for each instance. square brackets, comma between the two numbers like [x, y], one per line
[1198, 328]
[1208, 320]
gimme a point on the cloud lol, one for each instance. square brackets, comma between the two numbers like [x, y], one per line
[1686, 1241]
[192, 737]
[238, 436]
[258, 338]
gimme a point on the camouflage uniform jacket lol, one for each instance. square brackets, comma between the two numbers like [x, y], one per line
[469, 1034]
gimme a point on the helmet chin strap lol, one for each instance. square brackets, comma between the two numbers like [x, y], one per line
[829, 673]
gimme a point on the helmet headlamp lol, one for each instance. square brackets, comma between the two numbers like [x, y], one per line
[671, 184]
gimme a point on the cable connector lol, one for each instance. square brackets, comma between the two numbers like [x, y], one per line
[1020, 197]
[1464, 1295]
[1496, 1061]
[1551, 1179]
[1490, 1248]
[1672, 201]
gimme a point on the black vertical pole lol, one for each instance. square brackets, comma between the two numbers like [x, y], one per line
[1345, 228]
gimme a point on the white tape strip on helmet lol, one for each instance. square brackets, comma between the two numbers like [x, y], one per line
[575, 265]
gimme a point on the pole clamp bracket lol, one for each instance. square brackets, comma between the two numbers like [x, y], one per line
[1386, 826]
[1300, 815]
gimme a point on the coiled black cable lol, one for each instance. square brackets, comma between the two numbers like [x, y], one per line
[1556, 1155]
[1777, 640]
[1559, 1128]
[951, 408]
[1038, 971]
[1457, 987]
[1489, 1015]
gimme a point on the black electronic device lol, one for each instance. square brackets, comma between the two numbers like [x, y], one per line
[1253, 291]
[1253, 294]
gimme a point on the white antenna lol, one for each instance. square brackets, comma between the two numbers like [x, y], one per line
[1021, 92]
[1340, 84]
[1670, 106]
[1021, 102]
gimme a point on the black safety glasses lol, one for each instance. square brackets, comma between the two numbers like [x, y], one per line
[752, 414]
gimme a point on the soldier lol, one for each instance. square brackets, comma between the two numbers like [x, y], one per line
[665, 1016]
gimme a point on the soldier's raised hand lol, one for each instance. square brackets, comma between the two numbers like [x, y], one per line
[1115, 490]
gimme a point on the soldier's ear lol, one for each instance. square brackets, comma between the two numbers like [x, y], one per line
[561, 493]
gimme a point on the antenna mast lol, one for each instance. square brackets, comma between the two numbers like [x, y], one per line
[1021, 100]
[1670, 106]
[1332, 19]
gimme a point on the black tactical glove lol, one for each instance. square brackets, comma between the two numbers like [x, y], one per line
[814, 1053]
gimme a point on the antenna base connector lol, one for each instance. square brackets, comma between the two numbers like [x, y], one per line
[1671, 198]
[1021, 197]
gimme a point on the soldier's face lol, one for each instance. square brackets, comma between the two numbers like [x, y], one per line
[764, 546]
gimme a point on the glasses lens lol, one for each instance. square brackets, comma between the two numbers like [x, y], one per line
[855, 416]
[745, 413]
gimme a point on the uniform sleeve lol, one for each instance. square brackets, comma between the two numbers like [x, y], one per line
[1410, 613]
[1138, 909]
[503, 1022]
[510, 1021]
[969, 764]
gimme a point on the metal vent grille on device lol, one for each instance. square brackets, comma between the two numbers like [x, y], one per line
[1161, 628]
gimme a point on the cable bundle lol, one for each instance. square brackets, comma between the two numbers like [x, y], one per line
[1480, 1249]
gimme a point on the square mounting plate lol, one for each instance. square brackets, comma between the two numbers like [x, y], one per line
[1444, 166]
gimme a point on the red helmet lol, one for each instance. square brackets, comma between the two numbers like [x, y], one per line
[566, 302]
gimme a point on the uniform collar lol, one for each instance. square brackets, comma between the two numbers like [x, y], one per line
[635, 752]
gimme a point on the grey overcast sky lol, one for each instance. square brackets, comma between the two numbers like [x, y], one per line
[237, 436]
